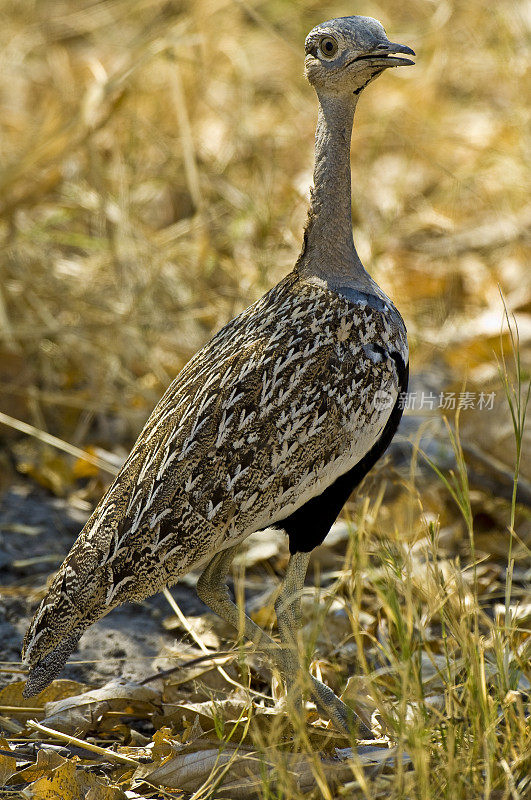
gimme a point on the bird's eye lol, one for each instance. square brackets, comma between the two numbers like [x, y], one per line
[328, 46]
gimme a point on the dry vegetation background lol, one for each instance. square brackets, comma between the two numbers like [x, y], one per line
[155, 159]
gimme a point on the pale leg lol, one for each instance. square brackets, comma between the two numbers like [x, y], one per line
[212, 590]
[289, 617]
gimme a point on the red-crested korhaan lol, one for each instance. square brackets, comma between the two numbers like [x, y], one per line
[273, 423]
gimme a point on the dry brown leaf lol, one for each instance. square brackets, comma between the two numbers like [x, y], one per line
[47, 760]
[11, 695]
[68, 783]
[80, 713]
[231, 709]
[8, 764]
[242, 770]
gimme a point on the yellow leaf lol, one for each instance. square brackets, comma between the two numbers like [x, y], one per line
[8, 765]
[67, 783]
[264, 617]
[84, 469]
[163, 743]
[47, 760]
[11, 695]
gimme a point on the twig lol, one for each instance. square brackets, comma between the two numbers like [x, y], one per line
[21, 710]
[47, 438]
[110, 755]
[12, 670]
[187, 664]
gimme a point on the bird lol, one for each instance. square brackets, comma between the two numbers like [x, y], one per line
[273, 423]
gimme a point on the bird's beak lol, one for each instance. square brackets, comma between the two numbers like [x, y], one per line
[392, 47]
[381, 55]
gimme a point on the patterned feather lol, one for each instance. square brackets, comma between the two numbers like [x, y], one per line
[265, 416]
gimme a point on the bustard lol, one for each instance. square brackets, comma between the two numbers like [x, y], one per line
[272, 423]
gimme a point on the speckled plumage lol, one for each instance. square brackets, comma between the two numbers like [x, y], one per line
[284, 400]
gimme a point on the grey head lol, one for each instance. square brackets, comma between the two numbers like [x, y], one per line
[343, 55]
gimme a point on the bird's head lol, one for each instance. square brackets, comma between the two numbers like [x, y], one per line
[343, 55]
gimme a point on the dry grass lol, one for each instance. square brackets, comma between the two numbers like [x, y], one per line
[155, 162]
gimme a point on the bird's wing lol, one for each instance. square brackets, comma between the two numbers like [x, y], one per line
[277, 405]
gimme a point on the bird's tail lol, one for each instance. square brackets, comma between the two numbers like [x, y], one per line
[115, 559]
[88, 585]
[48, 668]
[62, 617]
[77, 597]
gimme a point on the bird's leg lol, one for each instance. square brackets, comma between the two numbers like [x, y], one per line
[289, 618]
[212, 590]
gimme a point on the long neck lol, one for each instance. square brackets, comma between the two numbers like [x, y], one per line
[329, 253]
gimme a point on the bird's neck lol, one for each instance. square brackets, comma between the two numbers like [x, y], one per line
[329, 254]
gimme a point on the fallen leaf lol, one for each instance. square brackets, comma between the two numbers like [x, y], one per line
[68, 783]
[241, 771]
[11, 695]
[80, 713]
[8, 765]
[47, 760]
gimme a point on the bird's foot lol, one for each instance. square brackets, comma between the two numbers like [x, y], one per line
[343, 717]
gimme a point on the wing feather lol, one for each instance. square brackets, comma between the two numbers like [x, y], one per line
[276, 406]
